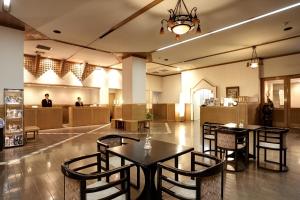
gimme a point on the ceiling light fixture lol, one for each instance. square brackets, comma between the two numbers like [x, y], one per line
[181, 20]
[6, 5]
[255, 61]
[232, 26]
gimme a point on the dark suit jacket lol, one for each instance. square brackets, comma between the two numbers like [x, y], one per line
[46, 104]
[78, 103]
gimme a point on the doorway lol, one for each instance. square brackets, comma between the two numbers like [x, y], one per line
[199, 98]
[284, 91]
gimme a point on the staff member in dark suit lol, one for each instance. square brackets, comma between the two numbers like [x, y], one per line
[46, 102]
[79, 102]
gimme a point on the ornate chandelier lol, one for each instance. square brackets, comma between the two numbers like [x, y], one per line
[255, 61]
[181, 20]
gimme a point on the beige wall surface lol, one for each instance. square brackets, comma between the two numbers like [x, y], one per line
[236, 74]
[280, 66]
[11, 59]
[171, 89]
[154, 83]
[33, 95]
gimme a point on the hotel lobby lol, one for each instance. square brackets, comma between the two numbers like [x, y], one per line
[151, 99]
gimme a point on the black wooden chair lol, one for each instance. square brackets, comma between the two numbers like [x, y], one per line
[271, 138]
[209, 134]
[83, 181]
[205, 180]
[233, 143]
[113, 140]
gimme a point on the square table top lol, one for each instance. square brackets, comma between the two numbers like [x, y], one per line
[160, 152]
[248, 127]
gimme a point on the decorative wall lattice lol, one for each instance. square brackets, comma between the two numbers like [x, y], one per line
[48, 64]
[29, 64]
[76, 68]
[88, 70]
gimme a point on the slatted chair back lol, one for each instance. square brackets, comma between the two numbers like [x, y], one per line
[79, 172]
[208, 181]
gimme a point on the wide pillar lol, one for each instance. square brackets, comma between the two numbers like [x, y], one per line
[11, 59]
[134, 87]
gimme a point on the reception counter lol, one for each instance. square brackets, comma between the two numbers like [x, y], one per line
[243, 112]
[44, 118]
[84, 116]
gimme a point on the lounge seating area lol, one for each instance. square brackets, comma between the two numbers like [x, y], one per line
[150, 100]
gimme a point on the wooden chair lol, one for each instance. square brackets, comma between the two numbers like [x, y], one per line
[209, 133]
[82, 185]
[205, 183]
[235, 141]
[107, 141]
[271, 138]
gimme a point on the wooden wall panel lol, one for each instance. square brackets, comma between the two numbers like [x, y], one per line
[49, 118]
[134, 111]
[117, 113]
[30, 117]
[2, 111]
[170, 112]
[84, 116]
[187, 112]
[294, 117]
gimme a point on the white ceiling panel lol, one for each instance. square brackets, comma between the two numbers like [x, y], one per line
[58, 50]
[264, 30]
[94, 57]
[142, 33]
[80, 21]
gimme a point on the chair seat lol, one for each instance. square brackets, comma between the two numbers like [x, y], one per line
[115, 161]
[186, 193]
[210, 137]
[240, 146]
[104, 193]
[269, 145]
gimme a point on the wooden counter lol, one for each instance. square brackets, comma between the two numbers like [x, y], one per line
[246, 112]
[84, 116]
[44, 118]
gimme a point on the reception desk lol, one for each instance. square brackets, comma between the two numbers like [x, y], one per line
[44, 118]
[84, 116]
[243, 112]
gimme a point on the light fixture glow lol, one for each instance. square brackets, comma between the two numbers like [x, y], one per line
[254, 65]
[6, 5]
[232, 26]
[181, 29]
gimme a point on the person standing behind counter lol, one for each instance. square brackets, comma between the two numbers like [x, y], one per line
[46, 102]
[79, 102]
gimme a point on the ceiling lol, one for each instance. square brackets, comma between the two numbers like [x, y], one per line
[82, 23]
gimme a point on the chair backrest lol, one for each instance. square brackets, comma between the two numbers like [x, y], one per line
[209, 181]
[273, 135]
[77, 175]
[210, 127]
[227, 137]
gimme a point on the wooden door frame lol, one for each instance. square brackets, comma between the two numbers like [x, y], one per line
[287, 93]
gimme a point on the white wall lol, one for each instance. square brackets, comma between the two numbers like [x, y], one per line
[154, 83]
[11, 59]
[280, 66]
[33, 95]
[171, 86]
[236, 74]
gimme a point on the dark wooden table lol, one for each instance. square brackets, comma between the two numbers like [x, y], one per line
[148, 159]
[250, 128]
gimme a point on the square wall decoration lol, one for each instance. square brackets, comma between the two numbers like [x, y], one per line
[232, 92]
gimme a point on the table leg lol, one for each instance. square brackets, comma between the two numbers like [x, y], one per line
[149, 192]
[254, 145]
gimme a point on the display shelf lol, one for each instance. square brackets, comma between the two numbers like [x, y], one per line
[14, 118]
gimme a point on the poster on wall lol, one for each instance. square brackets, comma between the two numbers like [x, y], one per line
[232, 92]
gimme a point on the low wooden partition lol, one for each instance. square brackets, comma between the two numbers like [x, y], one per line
[165, 112]
[84, 116]
[44, 118]
[243, 112]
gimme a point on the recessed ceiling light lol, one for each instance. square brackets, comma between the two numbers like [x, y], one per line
[166, 59]
[232, 26]
[57, 31]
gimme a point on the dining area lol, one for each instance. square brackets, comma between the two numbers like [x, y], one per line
[126, 167]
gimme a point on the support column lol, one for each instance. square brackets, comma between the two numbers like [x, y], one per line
[134, 87]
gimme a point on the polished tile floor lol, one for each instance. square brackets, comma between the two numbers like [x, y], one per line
[38, 176]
